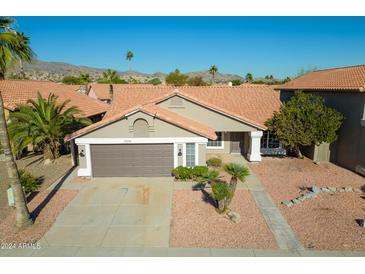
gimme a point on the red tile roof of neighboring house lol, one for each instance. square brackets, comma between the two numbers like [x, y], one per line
[337, 79]
[156, 111]
[102, 90]
[15, 92]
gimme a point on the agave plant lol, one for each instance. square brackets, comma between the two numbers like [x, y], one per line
[44, 123]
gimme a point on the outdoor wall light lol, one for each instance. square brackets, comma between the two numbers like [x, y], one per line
[82, 153]
[179, 153]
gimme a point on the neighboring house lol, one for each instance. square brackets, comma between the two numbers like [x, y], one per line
[344, 90]
[149, 130]
[15, 92]
[102, 91]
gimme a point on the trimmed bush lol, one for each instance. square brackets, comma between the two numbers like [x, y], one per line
[214, 162]
[28, 181]
[189, 173]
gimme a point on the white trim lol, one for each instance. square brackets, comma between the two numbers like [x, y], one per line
[184, 154]
[196, 154]
[161, 140]
[222, 145]
[175, 155]
[87, 171]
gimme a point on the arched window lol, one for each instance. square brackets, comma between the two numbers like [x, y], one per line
[140, 128]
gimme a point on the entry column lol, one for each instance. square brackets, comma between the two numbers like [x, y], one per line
[254, 154]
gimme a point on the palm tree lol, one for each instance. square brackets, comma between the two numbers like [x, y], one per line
[85, 79]
[211, 177]
[213, 70]
[130, 56]
[44, 123]
[110, 76]
[249, 77]
[12, 49]
[237, 172]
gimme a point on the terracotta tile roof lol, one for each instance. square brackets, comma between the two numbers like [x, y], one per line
[15, 92]
[338, 79]
[252, 104]
[102, 90]
[156, 111]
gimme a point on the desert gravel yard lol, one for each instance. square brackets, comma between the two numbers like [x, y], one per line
[45, 206]
[327, 221]
[195, 223]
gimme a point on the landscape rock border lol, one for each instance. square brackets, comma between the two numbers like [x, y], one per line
[315, 190]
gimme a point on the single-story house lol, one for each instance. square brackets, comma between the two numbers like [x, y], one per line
[15, 92]
[344, 90]
[149, 130]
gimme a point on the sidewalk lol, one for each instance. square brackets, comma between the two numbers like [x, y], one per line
[73, 251]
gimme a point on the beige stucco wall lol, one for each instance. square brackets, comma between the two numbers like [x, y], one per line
[207, 117]
[202, 155]
[124, 128]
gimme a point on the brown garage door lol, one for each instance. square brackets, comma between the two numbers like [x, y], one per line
[132, 160]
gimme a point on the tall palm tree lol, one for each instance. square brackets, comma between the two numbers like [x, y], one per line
[110, 76]
[213, 70]
[12, 49]
[129, 57]
[44, 122]
[85, 79]
[237, 172]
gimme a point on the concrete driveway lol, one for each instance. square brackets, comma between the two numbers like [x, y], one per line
[116, 212]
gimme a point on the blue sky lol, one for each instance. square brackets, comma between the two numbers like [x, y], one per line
[280, 46]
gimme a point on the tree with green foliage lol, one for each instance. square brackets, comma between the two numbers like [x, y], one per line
[237, 172]
[85, 79]
[176, 78]
[249, 77]
[110, 76]
[129, 58]
[72, 80]
[304, 120]
[12, 48]
[44, 123]
[154, 81]
[236, 82]
[213, 71]
[197, 81]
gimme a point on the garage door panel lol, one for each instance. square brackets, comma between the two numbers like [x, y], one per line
[131, 160]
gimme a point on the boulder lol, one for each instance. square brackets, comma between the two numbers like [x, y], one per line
[288, 203]
[357, 190]
[47, 162]
[302, 198]
[234, 216]
[295, 201]
[341, 189]
[348, 189]
[325, 189]
[310, 195]
[332, 189]
[316, 189]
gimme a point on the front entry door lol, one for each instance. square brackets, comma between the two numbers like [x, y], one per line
[236, 142]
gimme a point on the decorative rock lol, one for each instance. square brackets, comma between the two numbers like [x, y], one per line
[357, 190]
[341, 189]
[302, 198]
[234, 217]
[348, 189]
[47, 162]
[287, 203]
[316, 189]
[310, 195]
[295, 201]
[325, 189]
[333, 189]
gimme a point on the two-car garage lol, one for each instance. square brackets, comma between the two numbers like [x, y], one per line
[132, 160]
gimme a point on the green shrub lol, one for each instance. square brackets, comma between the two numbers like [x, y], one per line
[221, 191]
[28, 181]
[189, 173]
[214, 162]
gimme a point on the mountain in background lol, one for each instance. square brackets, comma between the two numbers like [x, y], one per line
[55, 71]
